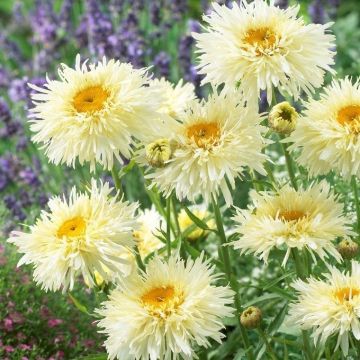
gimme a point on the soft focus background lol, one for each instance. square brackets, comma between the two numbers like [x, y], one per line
[37, 35]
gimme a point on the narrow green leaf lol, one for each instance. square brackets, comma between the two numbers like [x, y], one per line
[261, 298]
[79, 305]
[277, 321]
[200, 223]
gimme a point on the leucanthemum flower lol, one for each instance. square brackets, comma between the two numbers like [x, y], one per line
[163, 313]
[93, 112]
[328, 134]
[175, 97]
[257, 46]
[215, 141]
[329, 307]
[85, 234]
[308, 219]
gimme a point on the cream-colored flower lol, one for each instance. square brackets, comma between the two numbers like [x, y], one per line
[93, 113]
[163, 313]
[257, 46]
[216, 140]
[147, 235]
[175, 97]
[329, 132]
[308, 219]
[185, 222]
[329, 307]
[78, 236]
[283, 118]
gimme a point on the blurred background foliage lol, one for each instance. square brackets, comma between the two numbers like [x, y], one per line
[35, 37]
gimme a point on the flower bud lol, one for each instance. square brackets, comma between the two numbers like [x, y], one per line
[251, 317]
[348, 248]
[283, 118]
[158, 152]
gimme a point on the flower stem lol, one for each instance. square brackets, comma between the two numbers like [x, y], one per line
[139, 261]
[289, 165]
[117, 181]
[357, 204]
[168, 225]
[225, 257]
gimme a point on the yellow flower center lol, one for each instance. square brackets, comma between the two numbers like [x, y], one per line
[262, 38]
[204, 134]
[162, 301]
[291, 215]
[346, 293]
[73, 227]
[90, 99]
[350, 116]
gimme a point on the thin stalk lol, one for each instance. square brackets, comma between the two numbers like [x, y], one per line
[139, 261]
[168, 225]
[267, 344]
[357, 204]
[269, 172]
[225, 256]
[289, 165]
[117, 181]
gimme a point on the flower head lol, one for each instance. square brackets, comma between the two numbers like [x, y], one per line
[283, 118]
[93, 113]
[167, 310]
[330, 306]
[329, 132]
[216, 140]
[308, 219]
[259, 46]
[78, 236]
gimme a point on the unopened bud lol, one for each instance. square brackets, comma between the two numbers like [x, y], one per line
[283, 118]
[251, 317]
[348, 248]
[158, 152]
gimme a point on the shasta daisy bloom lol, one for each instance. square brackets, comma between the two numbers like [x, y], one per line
[175, 97]
[329, 131]
[215, 141]
[78, 236]
[329, 307]
[93, 112]
[163, 313]
[308, 219]
[257, 46]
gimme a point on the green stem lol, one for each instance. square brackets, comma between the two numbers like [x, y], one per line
[269, 173]
[139, 261]
[357, 204]
[289, 165]
[117, 181]
[168, 225]
[267, 344]
[225, 256]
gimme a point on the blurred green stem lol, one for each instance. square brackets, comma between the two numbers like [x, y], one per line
[138, 258]
[269, 348]
[225, 256]
[289, 165]
[117, 181]
[168, 225]
[357, 204]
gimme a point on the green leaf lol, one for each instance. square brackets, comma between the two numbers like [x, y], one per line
[200, 223]
[261, 298]
[94, 357]
[272, 283]
[277, 321]
[79, 305]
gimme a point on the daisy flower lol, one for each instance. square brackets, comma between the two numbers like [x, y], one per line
[257, 46]
[329, 131]
[93, 112]
[329, 307]
[175, 97]
[78, 236]
[308, 219]
[214, 143]
[163, 313]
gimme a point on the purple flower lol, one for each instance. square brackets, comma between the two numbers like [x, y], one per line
[282, 4]
[155, 12]
[5, 115]
[4, 77]
[18, 90]
[317, 12]
[162, 64]
[29, 177]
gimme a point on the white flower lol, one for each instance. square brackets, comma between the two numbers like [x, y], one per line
[93, 113]
[257, 46]
[78, 236]
[216, 140]
[163, 313]
[329, 131]
[306, 219]
[175, 97]
[329, 307]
